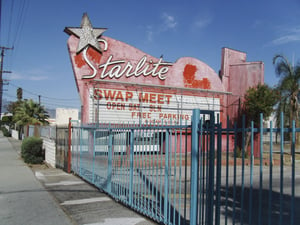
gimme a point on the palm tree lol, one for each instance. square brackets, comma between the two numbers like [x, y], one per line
[288, 88]
[30, 112]
[19, 94]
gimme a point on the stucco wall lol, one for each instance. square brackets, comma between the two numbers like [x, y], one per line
[237, 76]
[50, 149]
[15, 134]
[63, 115]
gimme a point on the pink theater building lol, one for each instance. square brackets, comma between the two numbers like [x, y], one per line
[119, 83]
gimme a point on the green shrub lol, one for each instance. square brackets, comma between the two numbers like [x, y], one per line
[5, 132]
[32, 151]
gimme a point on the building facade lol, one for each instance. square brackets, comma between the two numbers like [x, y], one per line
[119, 83]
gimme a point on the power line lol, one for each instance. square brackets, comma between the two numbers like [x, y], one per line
[14, 14]
[1, 72]
[59, 105]
[20, 21]
[8, 95]
[10, 21]
[11, 98]
[0, 18]
[15, 19]
[49, 102]
[43, 96]
[61, 99]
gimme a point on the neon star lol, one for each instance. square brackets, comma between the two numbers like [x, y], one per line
[88, 36]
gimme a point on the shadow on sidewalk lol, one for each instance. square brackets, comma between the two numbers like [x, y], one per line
[239, 213]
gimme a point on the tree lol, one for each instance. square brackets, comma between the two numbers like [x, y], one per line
[6, 120]
[288, 88]
[12, 107]
[259, 99]
[19, 94]
[30, 112]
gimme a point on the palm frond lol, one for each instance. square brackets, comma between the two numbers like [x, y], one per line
[283, 66]
[289, 88]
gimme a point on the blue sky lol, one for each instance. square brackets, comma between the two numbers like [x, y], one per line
[40, 62]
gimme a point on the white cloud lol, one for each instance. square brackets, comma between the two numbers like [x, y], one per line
[203, 22]
[286, 39]
[37, 78]
[31, 76]
[15, 76]
[287, 36]
[169, 21]
[149, 33]
[257, 23]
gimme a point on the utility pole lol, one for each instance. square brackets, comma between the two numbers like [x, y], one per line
[1, 73]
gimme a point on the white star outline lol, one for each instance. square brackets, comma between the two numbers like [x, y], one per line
[88, 36]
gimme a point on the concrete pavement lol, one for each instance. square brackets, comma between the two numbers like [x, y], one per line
[43, 195]
[23, 200]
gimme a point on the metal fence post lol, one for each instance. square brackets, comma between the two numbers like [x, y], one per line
[293, 172]
[281, 168]
[211, 170]
[109, 168]
[194, 166]
[94, 156]
[131, 167]
[69, 145]
[80, 151]
[166, 181]
[260, 170]
[218, 173]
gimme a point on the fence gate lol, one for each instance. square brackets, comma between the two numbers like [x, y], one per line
[191, 174]
[62, 143]
[206, 139]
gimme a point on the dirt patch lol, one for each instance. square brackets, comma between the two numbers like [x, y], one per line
[42, 166]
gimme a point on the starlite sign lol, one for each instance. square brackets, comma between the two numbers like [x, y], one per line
[143, 68]
[118, 82]
[90, 37]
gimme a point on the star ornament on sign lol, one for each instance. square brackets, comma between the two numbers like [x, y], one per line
[88, 36]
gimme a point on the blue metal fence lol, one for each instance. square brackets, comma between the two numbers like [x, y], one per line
[199, 173]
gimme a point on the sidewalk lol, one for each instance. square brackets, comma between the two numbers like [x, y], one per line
[23, 200]
[70, 200]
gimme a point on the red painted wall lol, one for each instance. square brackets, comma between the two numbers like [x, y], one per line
[237, 76]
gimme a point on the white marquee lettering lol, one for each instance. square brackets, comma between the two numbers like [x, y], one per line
[108, 63]
[158, 69]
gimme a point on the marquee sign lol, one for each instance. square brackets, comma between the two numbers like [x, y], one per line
[146, 107]
[173, 88]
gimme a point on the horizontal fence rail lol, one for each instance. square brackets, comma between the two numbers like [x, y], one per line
[200, 173]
